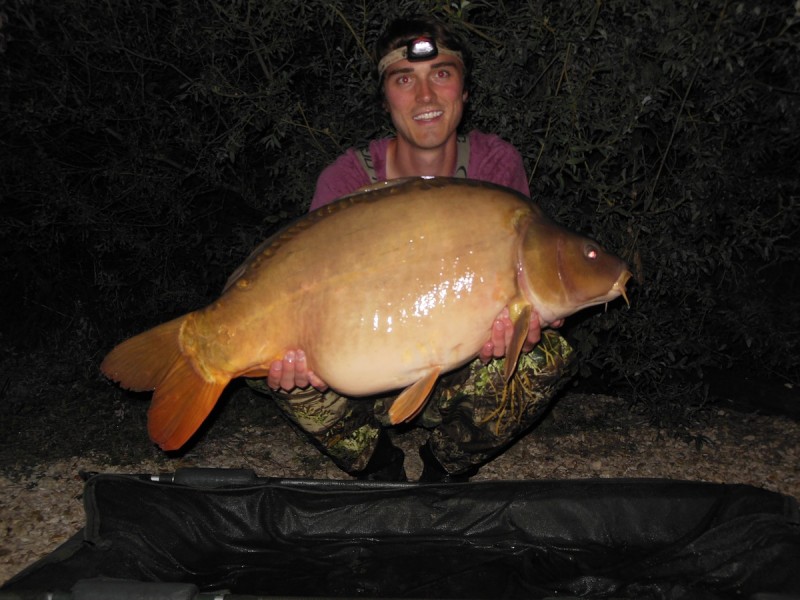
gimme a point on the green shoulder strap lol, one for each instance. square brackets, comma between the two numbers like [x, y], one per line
[462, 162]
[365, 158]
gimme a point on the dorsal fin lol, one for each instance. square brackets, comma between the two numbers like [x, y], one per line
[379, 185]
[268, 247]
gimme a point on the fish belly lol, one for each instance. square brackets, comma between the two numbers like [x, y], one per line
[379, 292]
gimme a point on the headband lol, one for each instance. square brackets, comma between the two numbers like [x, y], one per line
[418, 49]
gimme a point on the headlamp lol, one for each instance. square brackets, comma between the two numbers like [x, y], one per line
[418, 49]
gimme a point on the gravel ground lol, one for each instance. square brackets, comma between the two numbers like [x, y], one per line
[584, 436]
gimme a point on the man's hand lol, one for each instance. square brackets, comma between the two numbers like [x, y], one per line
[503, 329]
[293, 372]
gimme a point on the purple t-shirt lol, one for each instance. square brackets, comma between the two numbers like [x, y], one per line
[490, 159]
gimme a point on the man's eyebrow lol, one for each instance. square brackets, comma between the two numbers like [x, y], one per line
[444, 63]
[399, 70]
[436, 65]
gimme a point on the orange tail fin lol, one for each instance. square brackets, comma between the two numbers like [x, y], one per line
[153, 361]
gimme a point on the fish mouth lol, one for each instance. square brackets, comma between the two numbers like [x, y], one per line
[428, 115]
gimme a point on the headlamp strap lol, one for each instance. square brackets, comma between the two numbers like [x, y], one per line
[418, 49]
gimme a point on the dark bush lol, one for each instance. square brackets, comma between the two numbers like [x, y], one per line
[147, 146]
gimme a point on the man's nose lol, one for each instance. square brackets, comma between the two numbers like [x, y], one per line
[425, 91]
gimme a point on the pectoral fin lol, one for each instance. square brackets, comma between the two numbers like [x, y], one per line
[520, 314]
[411, 401]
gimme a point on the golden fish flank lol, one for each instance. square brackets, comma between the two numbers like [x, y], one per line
[410, 274]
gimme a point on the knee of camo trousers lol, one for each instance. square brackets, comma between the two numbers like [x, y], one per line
[342, 428]
[476, 414]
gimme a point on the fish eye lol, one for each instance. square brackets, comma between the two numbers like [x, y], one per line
[591, 252]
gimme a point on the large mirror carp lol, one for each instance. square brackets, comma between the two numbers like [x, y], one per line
[384, 289]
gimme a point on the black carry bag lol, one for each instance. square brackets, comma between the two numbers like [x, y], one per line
[228, 534]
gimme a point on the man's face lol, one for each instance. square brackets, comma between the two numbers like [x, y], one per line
[425, 99]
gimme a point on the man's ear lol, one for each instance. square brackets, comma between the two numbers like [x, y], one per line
[464, 95]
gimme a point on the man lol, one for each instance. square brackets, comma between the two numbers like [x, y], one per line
[423, 73]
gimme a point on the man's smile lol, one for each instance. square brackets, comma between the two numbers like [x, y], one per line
[426, 116]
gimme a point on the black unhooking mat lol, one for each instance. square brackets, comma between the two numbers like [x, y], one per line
[501, 539]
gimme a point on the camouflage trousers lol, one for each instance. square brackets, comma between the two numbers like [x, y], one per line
[472, 414]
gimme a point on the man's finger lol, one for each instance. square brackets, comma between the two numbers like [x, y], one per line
[499, 341]
[274, 376]
[300, 370]
[487, 352]
[316, 382]
[287, 377]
